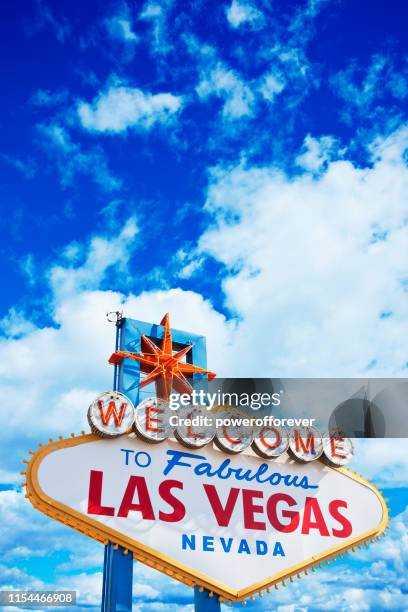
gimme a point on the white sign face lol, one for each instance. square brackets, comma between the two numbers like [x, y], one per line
[193, 436]
[232, 523]
[270, 442]
[152, 419]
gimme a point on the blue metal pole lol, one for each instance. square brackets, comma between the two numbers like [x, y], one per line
[117, 580]
[204, 603]
[117, 567]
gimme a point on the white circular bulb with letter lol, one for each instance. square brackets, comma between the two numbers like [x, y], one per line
[270, 441]
[195, 428]
[305, 444]
[231, 437]
[111, 414]
[338, 450]
[152, 420]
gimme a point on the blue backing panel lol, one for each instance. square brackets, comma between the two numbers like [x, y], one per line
[204, 603]
[132, 330]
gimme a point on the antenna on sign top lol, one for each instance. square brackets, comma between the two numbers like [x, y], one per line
[115, 316]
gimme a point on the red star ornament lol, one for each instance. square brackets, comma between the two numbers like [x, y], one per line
[161, 365]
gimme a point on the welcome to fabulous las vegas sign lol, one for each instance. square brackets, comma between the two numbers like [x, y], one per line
[234, 513]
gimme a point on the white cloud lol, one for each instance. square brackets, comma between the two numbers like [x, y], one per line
[361, 89]
[382, 461]
[120, 26]
[316, 153]
[103, 253]
[239, 13]
[156, 13]
[123, 28]
[15, 324]
[145, 591]
[312, 263]
[28, 168]
[120, 108]
[241, 96]
[87, 585]
[45, 97]
[305, 272]
[88, 559]
[27, 533]
[27, 267]
[187, 262]
[15, 578]
[271, 85]
[361, 95]
[72, 160]
[53, 372]
[45, 19]
[226, 84]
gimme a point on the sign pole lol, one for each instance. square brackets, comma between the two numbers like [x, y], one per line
[204, 603]
[117, 566]
[117, 580]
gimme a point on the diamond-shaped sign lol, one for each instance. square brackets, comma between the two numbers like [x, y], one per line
[233, 524]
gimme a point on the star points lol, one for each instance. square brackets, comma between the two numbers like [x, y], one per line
[161, 365]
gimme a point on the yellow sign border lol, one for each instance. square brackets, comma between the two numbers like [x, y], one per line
[165, 564]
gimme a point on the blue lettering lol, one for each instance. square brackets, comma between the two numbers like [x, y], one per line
[145, 462]
[203, 469]
[304, 483]
[226, 544]
[219, 471]
[261, 470]
[243, 547]
[187, 541]
[261, 547]
[208, 543]
[127, 451]
[278, 550]
[224, 471]
[175, 460]
[275, 478]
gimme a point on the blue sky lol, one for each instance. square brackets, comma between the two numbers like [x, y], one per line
[242, 165]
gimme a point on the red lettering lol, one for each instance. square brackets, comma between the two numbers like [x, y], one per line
[150, 419]
[310, 442]
[190, 433]
[112, 411]
[250, 509]
[227, 437]
[179, 510]
[277, 436]
[95, 495]
[345, 523]
[271, 509]
[312, 508]
[334, 447]
[144, 506]
[223, 515]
